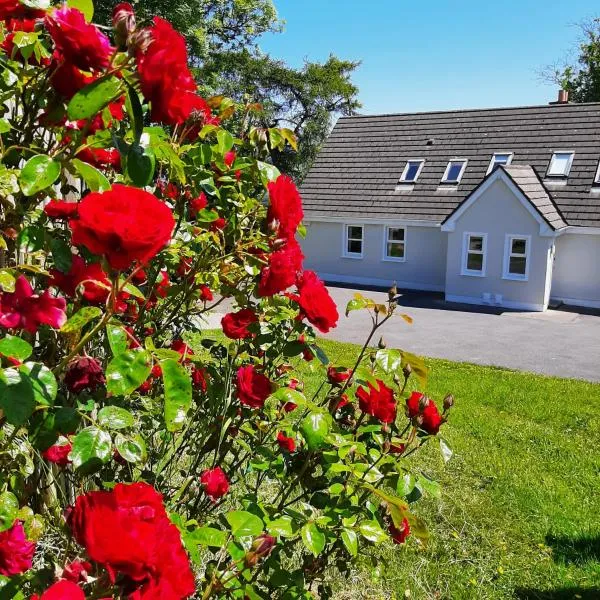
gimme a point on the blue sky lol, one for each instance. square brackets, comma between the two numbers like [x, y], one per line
[436, 54]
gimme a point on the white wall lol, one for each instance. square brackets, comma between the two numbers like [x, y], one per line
[576, 277]
[499, 212]
[424, 267]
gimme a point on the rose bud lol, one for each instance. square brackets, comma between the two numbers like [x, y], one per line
[392, 292]
[215, 483]
[337, 375]
[123, 20]
[261, 547]
[407, 370]
[59, 453]
[381, 344]
[84, 373]
[399, 534]
[448, 402]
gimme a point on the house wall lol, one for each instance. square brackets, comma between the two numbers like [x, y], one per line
[499, 212]
[576, 276]
[424, 267]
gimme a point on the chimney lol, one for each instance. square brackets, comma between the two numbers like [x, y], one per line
[563, 97]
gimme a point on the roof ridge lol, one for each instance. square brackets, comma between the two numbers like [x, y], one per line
[553, 106]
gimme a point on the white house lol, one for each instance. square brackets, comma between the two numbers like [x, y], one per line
[495, 206]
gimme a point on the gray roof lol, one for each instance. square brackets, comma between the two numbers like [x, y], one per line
[357, 171]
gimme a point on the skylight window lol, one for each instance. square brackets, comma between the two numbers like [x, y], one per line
[560, 164]
[412, 170]
[454, 170]
[500, 159]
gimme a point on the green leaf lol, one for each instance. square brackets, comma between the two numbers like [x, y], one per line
[314, 428]
[115, 417]
[290, 137]
[93, 178]
[15, 347]
[371, 530]
[283, 526]
[127, 371]
[355, 304]
[208, 536]
[224, 141]
[84, 6]
[268, 172]
[7, 282]
[243, 523]
[38, 173]
[418, 366]
[429, 485]
[178, 393]
[444, 447]
[313, 538]
[287, 394]
[131, 448]
[406, 484]
[117, 338]
[136, 112]
[81, 318]
[320, 354]
[31, 239]
[389, 360]
[9, 509]
[92, 447]
[61, 254]
[350, 540]
[91, 99]
[133, 291]
[140, 165]
[4, 126]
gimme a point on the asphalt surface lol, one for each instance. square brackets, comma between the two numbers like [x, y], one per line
[563, 342]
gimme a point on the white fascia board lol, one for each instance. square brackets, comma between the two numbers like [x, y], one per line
[370, 221]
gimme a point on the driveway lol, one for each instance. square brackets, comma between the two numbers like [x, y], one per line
[558, 342]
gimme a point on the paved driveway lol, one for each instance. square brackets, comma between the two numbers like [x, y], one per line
[557, 342]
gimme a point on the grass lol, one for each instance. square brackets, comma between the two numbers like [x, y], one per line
[519, 515]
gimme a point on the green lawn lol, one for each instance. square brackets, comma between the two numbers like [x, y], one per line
[519, 515]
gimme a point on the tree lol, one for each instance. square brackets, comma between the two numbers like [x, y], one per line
[581, 79]
[222, 36]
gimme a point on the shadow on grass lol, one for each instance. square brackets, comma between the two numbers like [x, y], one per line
[558, 594]
[575, 550]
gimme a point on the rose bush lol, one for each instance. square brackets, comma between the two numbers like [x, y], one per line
[142, 455]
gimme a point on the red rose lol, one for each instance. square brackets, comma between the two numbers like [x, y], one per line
[253, 388]
[125, 224]
[316, 303]
[58, 454]
[285, 206]
[337, 375]
[286, 443]
[16, 553]
[399, 534]
[95, 285]
[205, 294]
[419, 404]
[199, 379]
[22, 309]
[197, 204]
[58, 209]
[127, 531]
[17, 10]
[61, 590]
[161, 287]
[215, 483]
[84, 373]
[235, 325]
[67, 79]
[282, 270]
[183, 349]
[81, 43]
[165, 77]
[397, 448]
[101, 157]
[77, 571]
[378, 402]
[229, 158]
[218, 224]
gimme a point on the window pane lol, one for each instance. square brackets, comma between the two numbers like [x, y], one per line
[560, 163]
[518, 265]
[519, 246]
[354, 247]
[411, 171]
[454, 170]
[396, 234]
[395, 250]
[501, 159]
[475, 262]
[476, 243]
[355, 233]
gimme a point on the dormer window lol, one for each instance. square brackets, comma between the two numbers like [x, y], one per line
[560, 164]
[412, 170]
[454, 170]
[499, 159]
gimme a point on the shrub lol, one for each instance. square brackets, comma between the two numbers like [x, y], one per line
[143, 456]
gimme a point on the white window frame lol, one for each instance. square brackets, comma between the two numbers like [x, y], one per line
[346, 239]
[462, 170]
[569, 165]
[386, 240]
[508, 240]
[493, 160]
[465, 252]
[405, 171]
[597, 177]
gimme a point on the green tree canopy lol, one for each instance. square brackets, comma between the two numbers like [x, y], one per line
[223, 39]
